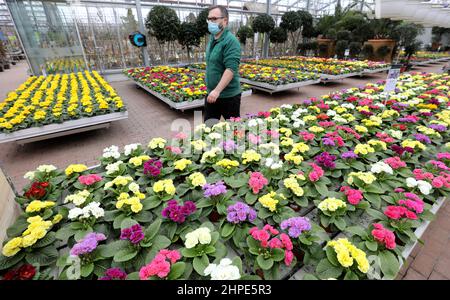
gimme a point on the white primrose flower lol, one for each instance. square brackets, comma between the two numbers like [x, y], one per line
[348, 105]
[130, 148]
[381, 167]
[92, 209]
[202, 127]
[114, 167]
[424, 187]
[298, 124]
[78, 198]
[255, 122]
[282, 118]
[201, 235]
[331, 113]
[286, 106]
[215, 136]
[111, 152]
[29, 175]
[46, 168]
[134, 187]
[224, 271]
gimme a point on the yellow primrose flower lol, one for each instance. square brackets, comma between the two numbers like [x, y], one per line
[181, 164]
[268, 201]
[347, 253]
[165, 185]
[250, 156]
[366, 177]
[37, 205]
[157, 143]
[363, 149]
[316, 129]
[197, 179]
[292, 184]
[227, 163]
[138, 160]
[413, 144]
[75, 168]
[12, 247]
[331, 204]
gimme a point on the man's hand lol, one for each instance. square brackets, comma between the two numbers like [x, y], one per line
[212, 97]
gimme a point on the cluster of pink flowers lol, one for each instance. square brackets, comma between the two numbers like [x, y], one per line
[307, 136]
[439, 165]
[395, 212]
[419, 174]
[160, 265]
[272, 133]
[384, 137]
[409, 208]
[257, 182]
[114, 274]
[181, 136]
[443, 156]
[442, 180]
[413, 202]
[264, 114]
[349, 130]
[89, 179]
[395, 162]
[353, 196]
[336, 138]
[254, 139]
[265, 237]
[316, 173]
[326, 124]
[174, 150]
[384, 236]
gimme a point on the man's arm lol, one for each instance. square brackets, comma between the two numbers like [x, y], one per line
[224, 81]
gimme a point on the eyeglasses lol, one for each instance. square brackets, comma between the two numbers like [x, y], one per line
[215, 18]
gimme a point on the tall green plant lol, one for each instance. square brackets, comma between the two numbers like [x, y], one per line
[162, 22]
[263, 23]
[188, 37]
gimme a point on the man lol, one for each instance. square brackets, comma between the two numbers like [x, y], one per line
[223, 55]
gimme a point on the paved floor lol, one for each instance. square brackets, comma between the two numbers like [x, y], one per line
[149, 118]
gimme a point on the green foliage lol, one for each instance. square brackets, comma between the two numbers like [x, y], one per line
[278, 35]
[344, 35]
[367, 50]
[244, 33]
[263, 23]
[162, 22]
[201, 23]
[290, 21]
[355, 49]
[188, 35]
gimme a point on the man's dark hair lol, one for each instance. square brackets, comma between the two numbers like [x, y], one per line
[223, 10]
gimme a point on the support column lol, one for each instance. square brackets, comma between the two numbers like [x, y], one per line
[266, 34]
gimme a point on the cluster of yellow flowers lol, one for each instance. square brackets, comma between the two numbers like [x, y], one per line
[292, 184]
[157, 143]
[347, 253]
[199, 145]
[268, 200]
[331, 204]
[413, 144]
[181, 164]
[382, 145]
[75, 168]
[45, 99]
[366, 177]
[363, 149]
[137, 161]
[227, 164]
[37, 205]
[250, 156]
[165, 185]
[197, 179]
[36, 230]
[119, 181]
[125, 199]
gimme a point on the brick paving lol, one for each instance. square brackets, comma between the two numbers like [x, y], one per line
[149, 118]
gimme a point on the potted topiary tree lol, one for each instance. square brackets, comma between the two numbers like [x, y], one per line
[162, 22]
[263, 23]
[188, 37]
[384, 30]
[278, 36]
[244, 33]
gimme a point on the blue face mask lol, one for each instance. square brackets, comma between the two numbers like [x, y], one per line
[214, 28]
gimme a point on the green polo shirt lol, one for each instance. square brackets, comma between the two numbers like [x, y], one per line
[221, 54]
